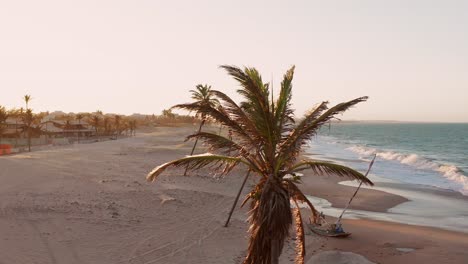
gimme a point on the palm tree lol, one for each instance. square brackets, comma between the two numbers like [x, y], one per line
[167, 113]
[26, 99]
[28, 120]
[95, 122]
[16, 114]
[267, 141]
[3, 117]
[202, 96]
[106, 124]
[133, 127]
[117, 120]
[79, 117]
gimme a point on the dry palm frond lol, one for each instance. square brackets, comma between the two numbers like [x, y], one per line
[224, 145]
[327, 168]
[297, 195]
[300, 236]
[219, 143]
[196, 162]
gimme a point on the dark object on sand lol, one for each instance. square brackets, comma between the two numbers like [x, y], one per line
[319, 230]
[321, 227]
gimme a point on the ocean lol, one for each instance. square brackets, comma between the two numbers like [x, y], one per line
[424, 162]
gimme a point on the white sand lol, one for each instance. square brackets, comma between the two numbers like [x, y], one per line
[90, 203]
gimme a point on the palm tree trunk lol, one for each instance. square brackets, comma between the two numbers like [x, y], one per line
[195, 144]
[275, 251]
[16, 133]
[79, 133]
[269, 233]
[237, 199]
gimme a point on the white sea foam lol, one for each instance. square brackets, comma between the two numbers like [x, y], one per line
[448, 171]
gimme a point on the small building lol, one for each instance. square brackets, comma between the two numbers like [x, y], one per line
[13, 128]
[58, 128]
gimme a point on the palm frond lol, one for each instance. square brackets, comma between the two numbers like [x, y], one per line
[284, 115]
[217, 142]
[197, 162]
[227, 146]
[327, 168]
[296, 194]
[203, 96]
[253, 88]
[290, 147]
[220, 116]
[195, 106]
[256, 94]
[237, 114]
[310, 126]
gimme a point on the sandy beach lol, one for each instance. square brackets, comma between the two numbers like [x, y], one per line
[90, 203]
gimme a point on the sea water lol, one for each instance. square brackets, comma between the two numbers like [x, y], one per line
[426, 163]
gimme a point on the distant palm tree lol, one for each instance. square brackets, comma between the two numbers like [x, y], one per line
[133, 126]
[166, 113]
[28, 120]
[95, 122]
[267, 140]
[3, 117]
[79, 117]
[106, 125]
[203, 97]
[117, 121]
[16, 114]
[27, 98]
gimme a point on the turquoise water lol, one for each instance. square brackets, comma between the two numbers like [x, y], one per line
[425, 163]
[429, 154]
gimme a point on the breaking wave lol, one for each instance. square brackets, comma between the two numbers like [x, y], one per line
[450, 172]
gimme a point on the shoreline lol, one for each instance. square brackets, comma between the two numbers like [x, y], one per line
[381, 241]
[328, 187]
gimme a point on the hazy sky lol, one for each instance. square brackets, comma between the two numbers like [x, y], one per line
[410, 57]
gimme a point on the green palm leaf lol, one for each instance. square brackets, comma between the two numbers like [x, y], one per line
[256, 95]
[309, 127]
[284, 115]
[237, 114]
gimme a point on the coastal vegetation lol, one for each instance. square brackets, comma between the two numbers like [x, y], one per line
[267, 139]
[21, 128]
[202, 97]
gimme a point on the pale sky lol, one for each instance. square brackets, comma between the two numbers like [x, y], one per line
[410, 57]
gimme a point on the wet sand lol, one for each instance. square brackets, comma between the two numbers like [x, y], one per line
[327, 187]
